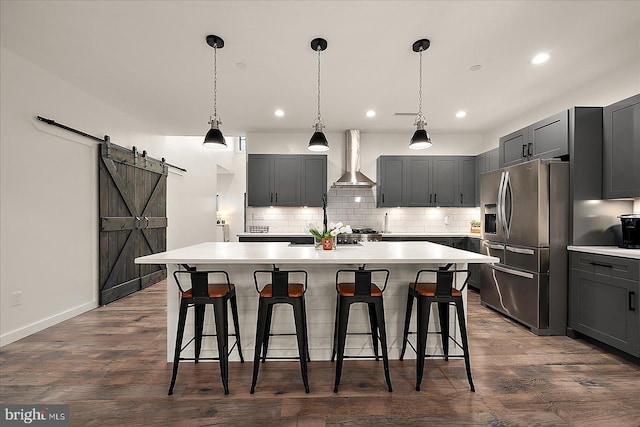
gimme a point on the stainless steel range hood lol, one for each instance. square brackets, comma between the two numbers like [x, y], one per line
[353, 177]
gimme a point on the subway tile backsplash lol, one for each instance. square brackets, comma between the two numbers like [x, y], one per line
[357, 207]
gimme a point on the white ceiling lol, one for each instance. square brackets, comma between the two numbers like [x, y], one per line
[150, 60]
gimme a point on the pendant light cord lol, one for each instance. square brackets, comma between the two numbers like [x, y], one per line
[420, 85]
[319, 117]
[215, 81]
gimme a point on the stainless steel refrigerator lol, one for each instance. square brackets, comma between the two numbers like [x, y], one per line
[525, 222]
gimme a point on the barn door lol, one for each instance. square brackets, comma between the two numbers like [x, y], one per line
[133, 220]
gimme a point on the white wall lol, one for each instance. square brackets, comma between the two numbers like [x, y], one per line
[49, 194]
[621, 84]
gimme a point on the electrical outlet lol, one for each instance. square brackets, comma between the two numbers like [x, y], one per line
[16, 299]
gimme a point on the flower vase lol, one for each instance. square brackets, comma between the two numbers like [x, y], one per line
[317, 242]
[327, 243]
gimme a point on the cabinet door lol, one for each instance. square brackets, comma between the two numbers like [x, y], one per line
[549, 138]
[314, 180]
[286, 180]
[391, 186]
[493, 160]
[260, 179]
[419, 181]
[467, 181]
[622, 149]
[444, 181]
[513, 148]
[606, 308]
[481, 160]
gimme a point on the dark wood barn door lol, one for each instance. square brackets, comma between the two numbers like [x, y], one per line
[133, 220]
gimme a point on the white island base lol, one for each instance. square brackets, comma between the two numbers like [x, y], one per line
[240, 260]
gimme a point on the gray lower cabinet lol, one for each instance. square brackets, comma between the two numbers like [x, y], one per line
[621, 165]
[546, 139]
[286, 180]
[258, 237]
[603, 300]
[424, 181]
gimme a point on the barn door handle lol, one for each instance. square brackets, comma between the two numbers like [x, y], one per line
[139, 224]
[146, 224]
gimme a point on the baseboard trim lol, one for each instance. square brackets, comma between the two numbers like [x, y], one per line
[25, 331]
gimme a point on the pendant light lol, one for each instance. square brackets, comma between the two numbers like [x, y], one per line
[420, 137]
[318, 141]
[214, 137]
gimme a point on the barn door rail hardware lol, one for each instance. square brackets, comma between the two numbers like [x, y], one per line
[106, 141]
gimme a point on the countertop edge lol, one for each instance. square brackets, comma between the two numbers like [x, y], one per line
[607, 250]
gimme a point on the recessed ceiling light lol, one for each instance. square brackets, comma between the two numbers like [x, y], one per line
[540, 58]
[475, 67]
[460, 114]
[371, 113]
[279, 113]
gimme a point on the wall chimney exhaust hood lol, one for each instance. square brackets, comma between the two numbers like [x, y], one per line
[353, 177]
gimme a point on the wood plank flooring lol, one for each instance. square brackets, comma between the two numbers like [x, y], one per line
[109, 366]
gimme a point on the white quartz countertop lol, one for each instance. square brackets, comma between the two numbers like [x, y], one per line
[402, 234]
[282, 252]
[607, 250]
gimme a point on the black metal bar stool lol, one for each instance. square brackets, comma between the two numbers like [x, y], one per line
[442, 292]
[360, 290]
[280, 291]
[204, 292]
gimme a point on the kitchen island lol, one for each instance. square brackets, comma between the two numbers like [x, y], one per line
[240, 259]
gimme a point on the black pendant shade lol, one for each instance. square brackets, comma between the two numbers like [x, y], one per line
[420, 140]
[214, 138]
[318, 142]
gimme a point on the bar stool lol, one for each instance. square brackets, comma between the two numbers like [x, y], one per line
[444, 294]
[361, 290]
[203, 292]
[280, 291]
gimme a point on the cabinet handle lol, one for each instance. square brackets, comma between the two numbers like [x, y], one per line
[270, 197]
[276, 197]
[382, 197]
[632, 300]
[524, 147]
[435, 198]
[530, 149]
[460, 198]
[430, 198]
[601, 265]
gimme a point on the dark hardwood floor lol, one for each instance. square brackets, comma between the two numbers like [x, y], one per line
[109, 366]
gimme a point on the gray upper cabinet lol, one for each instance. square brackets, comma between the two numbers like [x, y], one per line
[467, 181]
[513, 148]
[391, 171]
[423, 181]
[444, 183]
[286, 180]
[621, 123]
[546, 139]
[314, 180]
[260, 179]
[485, 162]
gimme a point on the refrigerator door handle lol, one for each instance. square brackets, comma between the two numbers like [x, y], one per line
[510, 271]
[507, 220]
[499, 207]
[491, 246]
[520, 250]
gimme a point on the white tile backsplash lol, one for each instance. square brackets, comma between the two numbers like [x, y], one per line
[357, 207]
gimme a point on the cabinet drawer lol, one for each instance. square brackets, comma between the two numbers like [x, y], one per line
[606, 265]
